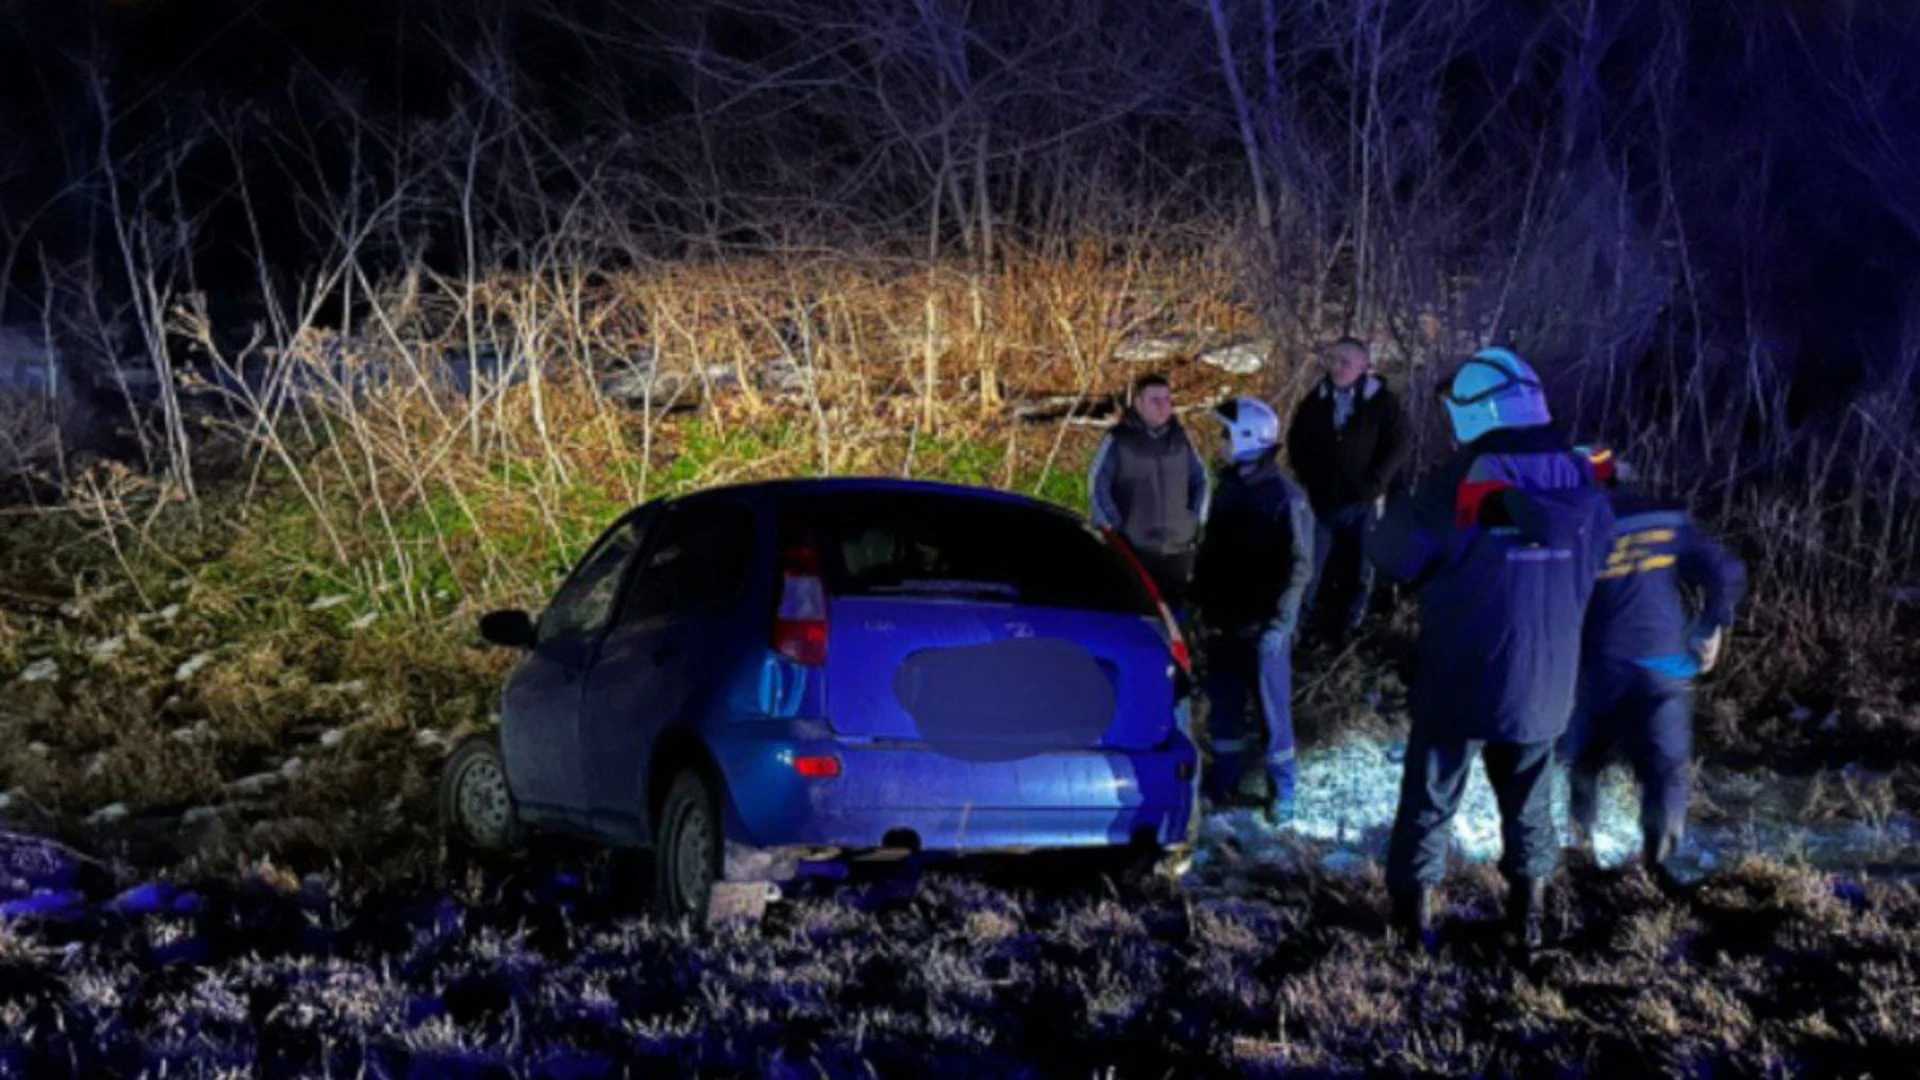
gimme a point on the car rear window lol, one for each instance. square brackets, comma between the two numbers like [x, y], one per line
[975, 549]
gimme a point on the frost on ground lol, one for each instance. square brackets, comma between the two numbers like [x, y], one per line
[1271, 959]
[1346, 795]
[551, 970]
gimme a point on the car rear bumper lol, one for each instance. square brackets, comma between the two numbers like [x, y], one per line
[887, 793]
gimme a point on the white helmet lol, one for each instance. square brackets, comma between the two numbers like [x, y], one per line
[1252, 427]
[1494, 389]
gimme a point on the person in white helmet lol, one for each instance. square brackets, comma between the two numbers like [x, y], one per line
[1254, 566]
[1502, 544]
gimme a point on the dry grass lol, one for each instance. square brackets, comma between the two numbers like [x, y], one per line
[315, 605]
[328, 581]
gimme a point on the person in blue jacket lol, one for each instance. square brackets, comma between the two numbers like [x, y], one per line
[1253, 569]
[1502, 545]
[1641, 653]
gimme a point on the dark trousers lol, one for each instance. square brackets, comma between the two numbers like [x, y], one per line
[1430, 791]
[1172, 574]
[1647, 718]
[1342, 577]
[1249, 684]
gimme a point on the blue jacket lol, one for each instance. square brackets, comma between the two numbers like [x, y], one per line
[1638, 615]
[1503, 544]
[1256, 558]
[1150, 485]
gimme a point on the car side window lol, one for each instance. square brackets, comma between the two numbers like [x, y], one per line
[585, 602]
[701, 560]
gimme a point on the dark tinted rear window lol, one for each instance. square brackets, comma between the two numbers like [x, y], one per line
[699, 560]
[929, 545]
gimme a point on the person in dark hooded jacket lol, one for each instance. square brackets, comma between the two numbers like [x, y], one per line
[1347, 443]
[1149, 484]
[1255, 561]
[1502, 545]
[1641, 653]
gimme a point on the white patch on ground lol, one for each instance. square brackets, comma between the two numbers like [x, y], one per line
[192, 667]
[164, 615]
[1245, 358]
[41, 671]
[199, 814]
[107, 815]
[200, 731]
[291, 767]
[326, 602]
[1346, 796]
[39, 749]
[364, 621]
[6, 799]
[107, 648]
[1153, 350]
[256, 784]
[333, 737]
[429, 739]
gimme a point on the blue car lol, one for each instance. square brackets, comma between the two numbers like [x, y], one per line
[751, 678]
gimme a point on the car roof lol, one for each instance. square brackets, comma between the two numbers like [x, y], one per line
[783, 491]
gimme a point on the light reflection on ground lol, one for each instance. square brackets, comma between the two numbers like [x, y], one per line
[1347, 793]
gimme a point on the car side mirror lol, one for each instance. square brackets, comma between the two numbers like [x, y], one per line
[510, 629]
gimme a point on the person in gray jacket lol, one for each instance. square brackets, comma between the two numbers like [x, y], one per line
[1149, 484]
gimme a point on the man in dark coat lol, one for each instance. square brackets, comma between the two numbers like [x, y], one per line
[1254, 564]
[1641, 653]
[1149, 484]
[1502, 544]
[1347, 442]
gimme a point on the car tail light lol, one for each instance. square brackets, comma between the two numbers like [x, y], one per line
[800, 621]
[1176, 641]
[817, 768]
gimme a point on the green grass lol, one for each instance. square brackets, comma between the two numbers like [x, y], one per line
[245, 574]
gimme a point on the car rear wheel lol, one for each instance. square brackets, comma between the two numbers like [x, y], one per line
[476, 808]
[688, 848]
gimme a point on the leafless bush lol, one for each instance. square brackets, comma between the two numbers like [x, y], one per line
[867, 217]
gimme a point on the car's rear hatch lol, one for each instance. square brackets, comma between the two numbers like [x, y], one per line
[983, 628]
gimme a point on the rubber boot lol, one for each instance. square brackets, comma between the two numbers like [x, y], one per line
[1220, 780]
[1583, 809]
[1580, 854]
[1527, 912]
[1280, 784]
[1415, 918]
[1655, 849]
